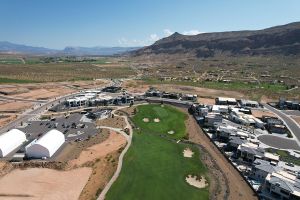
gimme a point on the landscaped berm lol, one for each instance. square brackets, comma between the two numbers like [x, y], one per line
[154, 166]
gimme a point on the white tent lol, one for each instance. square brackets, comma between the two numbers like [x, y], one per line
[45, 146]
[10, 140]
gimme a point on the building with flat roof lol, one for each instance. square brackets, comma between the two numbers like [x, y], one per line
[282, 185]
[225, 101]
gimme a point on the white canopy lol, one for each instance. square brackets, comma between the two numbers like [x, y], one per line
[10, 140]
[45, 146]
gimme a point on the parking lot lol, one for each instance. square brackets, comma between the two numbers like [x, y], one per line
[74, 127]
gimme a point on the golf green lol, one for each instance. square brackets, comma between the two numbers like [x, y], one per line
[154, 167]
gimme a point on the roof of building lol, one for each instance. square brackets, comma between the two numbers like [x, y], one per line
[226, 99]
[52, 140]
[286, 181]
[11, 140]
[236, 140]
[252, 149]
[244, 102]
[265, 166]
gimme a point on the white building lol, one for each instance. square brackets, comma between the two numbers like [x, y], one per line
[46, 145]
[249, 103]
[11, 140]
[225, 101]
[282, 185]
[220, 109]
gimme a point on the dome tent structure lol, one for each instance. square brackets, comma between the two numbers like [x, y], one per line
[46, 145]
[11, 140]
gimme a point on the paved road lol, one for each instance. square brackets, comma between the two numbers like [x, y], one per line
[41, 109]
[120, 162]
[279, 142]
[38, 110]
[291, 124]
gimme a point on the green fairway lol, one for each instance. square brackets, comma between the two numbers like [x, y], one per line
[155, 168]
[170, 118]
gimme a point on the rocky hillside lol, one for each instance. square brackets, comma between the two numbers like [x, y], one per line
[279, 40]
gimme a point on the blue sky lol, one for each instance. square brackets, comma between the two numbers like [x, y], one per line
[60, 23]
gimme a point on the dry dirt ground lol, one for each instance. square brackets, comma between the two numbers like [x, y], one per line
[201, 92]
[228, 178]
[94, 161]
[42, 183]
[116, 122]
[260, 113]
[265, 99]
[9, 106]
[6, 119]
[135, 86]
[48, 90]
[206, 101]
[140, 86]
[114, 142]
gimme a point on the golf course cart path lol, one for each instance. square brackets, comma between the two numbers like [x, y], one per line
[120, 161]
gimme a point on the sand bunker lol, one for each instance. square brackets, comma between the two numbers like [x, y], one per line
[146, 120]
[42, 183]
[156, 120]
[171, 132]
[196, 182]
[112, 143]
[188, 153]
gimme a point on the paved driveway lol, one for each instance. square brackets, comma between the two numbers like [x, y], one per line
[279, 142]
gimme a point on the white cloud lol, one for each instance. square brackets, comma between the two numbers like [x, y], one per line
[153, 37]
[192, 32]
[134, 42]
[168, 32]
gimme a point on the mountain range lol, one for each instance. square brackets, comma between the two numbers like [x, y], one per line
[11, 48]
[279, 40]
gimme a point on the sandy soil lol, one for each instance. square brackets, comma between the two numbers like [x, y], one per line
[42, 183]
[12, 106]
[146, 120]
[196, 182]
[201, 92]
[206, 101]
[5, 120]
[265, 99]
[260, 113]
[134, 86]
[226, 177]
[48, 90]
[296, 118]
[44, 93]
[188, 153]
[103, 170]
[116, 122]
[156, 120]
[114, 142]
[74, 149]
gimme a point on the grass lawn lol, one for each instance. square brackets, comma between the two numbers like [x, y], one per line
[170, 118]
[285, 156]
[154, 167]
